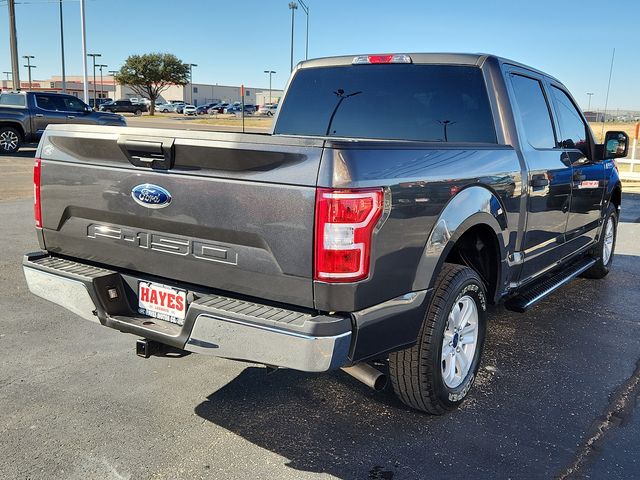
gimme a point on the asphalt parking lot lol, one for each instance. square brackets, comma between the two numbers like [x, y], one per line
[556, 396]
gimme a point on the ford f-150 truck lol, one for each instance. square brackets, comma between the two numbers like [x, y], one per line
[25, 115]
[396, 199]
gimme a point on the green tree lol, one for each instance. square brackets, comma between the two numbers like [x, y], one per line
[150, 74]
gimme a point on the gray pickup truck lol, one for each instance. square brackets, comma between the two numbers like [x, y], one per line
[25, 115]
[397, 198]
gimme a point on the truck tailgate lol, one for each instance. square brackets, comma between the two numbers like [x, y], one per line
[238, 213]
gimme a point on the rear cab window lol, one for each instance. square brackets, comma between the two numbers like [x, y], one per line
[414, 102]
[13, 100]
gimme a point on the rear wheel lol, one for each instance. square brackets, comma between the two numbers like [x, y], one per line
[137, 113]
[10, 140]
[436, 374]
[604, 249]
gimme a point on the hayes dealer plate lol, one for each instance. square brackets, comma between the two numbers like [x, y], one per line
[162, 302]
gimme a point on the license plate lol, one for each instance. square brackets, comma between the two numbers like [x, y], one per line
[162, 302]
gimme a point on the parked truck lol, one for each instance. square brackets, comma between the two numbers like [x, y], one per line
[25, 115]
[125, 106]
[397, 198]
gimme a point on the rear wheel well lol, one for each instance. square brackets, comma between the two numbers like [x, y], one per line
[478, 249]
[15, 126]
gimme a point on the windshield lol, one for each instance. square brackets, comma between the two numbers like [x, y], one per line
[441, 103]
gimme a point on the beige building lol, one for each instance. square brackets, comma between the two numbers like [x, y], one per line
[202, 93]
[104, 89]
[198, 93]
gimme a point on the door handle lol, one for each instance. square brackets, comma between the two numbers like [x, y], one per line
[71, 116]
[39, 115]
[538, 181]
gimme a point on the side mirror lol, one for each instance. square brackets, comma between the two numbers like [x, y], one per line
[616, 145]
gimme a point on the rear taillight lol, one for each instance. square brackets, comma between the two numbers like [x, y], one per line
[37, 211]
[345, 220]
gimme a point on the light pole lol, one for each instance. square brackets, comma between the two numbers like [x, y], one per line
[293, 6]
[13, 45]
[113, 73]
[64, 77]
[29, 66]
[85, 82]
[93, 56]
[101, 82]
[269, 72]
[305, 9]
[589, 94]
[191, 65]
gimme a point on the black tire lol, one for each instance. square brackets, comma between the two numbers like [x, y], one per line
[10, 140]
[416, 372]
[137, 113]
[601, 268]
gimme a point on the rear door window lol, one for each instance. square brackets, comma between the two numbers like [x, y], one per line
[436, 103]
[53, 103]
[534, 112]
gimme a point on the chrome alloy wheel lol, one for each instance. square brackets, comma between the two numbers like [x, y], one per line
[607, 244]
[9, 141]
[459, 342]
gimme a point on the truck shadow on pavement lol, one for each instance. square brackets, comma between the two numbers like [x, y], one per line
[544, 382]
[321, 423]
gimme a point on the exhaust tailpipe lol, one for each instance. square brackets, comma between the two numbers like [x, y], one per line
[370, 376]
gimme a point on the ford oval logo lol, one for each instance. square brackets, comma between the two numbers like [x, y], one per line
[151, 196]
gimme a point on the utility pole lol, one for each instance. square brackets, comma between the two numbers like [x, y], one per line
[589, 94]
[29, 67]
[293, 6]
[64, 77]
[85, 80]
[101, 82]
[13, 43]
[305, 9]
[270, 72]
[113, 73]
[191, 65]
[93, 56]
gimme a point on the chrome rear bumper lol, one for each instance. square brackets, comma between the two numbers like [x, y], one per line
[215, 325]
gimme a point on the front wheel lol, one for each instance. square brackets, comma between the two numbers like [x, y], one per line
[604, 249]
[9, 140]
[137, 113]
[436, 374]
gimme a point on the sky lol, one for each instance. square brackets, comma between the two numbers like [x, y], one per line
[234, 41]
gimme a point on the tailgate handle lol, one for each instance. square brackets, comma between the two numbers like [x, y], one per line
[145, 153]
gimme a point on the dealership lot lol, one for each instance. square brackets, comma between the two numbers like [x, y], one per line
[75, 401]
